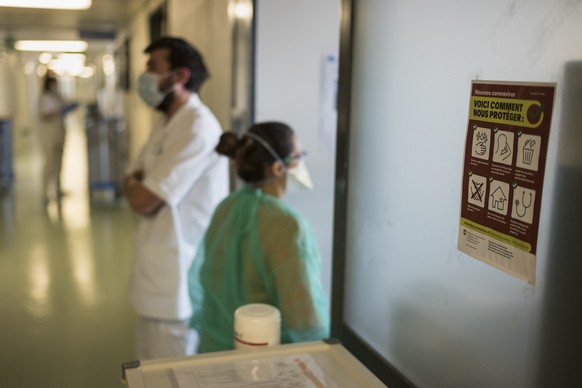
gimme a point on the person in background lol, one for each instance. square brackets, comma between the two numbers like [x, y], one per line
[52, 111]
[257, 249]
[174, 186]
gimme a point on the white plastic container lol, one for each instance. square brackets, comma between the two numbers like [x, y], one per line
[256, 326]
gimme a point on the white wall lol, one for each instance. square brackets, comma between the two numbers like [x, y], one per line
[205, 24]
[19, 96]
[140, 118]
[7, 106]
[293, 40]
[443, 318]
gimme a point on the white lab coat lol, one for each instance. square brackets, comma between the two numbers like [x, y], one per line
[52, 139]
[181, 167]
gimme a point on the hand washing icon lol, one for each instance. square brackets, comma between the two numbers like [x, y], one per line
[481, 142]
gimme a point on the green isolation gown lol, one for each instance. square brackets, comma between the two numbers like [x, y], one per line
[257, 250]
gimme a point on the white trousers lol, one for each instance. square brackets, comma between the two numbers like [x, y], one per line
[52, 138]
[157, 338]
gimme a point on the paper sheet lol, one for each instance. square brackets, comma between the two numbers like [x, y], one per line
[292, 371]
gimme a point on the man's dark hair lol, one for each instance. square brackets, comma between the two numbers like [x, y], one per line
[182, 54]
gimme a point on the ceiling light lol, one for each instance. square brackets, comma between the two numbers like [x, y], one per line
[71, 64]
[41, 70]
[241, 10]
[50, 4]
[51, 45]
[87, 72]
[45, 58]
[77, 57]
[29, 68]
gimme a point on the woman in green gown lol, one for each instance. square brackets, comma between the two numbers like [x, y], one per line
[257, 249]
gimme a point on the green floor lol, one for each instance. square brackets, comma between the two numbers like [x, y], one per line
[64, 271]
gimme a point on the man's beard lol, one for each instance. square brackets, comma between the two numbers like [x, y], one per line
[166, 102]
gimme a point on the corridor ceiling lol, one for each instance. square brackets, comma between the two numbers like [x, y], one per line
[104, 18]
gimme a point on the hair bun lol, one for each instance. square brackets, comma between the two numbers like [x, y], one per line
[228, 144]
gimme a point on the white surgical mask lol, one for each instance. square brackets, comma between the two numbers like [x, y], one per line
[147, 87]
[299, 178]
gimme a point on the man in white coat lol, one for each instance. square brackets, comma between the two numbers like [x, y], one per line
[174, 186]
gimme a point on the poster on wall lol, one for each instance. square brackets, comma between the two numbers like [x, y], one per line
[328, 110]
[503, 174]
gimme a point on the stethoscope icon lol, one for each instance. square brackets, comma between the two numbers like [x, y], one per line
[523, 204]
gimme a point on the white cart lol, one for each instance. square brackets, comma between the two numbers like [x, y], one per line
[313, 364]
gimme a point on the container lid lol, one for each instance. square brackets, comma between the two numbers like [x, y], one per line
[256, 314]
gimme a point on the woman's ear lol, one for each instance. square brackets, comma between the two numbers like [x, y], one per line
[278, 169]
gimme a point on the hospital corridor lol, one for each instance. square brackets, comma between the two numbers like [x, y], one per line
[276, 193]
[64, 271]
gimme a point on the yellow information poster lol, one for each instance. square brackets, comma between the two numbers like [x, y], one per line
[503, 173]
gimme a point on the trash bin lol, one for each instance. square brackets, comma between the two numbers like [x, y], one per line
[6, 172]
[107, 153]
